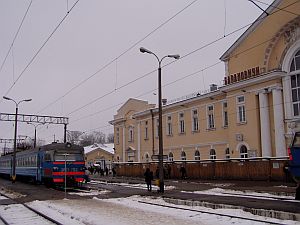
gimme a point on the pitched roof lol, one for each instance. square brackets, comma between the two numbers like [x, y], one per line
[105, 147]
[253, 26]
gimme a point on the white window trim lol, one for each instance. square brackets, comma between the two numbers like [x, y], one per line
[207, 117]
[179, 124]
[286, 80]
[238, 104]
[223, 114]
[167, 125]
[192, 120]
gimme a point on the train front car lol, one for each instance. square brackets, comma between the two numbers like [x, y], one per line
[63, 164]
[294, 163]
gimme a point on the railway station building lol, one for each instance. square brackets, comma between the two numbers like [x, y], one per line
[253, 114]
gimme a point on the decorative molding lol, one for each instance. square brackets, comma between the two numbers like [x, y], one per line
[290, 33]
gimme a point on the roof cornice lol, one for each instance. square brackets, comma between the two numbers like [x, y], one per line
[254, 25]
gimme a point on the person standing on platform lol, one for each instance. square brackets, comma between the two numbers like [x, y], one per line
[148, 178]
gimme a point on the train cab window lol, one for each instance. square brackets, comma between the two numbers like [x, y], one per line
[47, 157]
[296, 141]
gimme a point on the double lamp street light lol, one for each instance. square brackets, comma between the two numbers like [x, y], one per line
[160, 134]
[13, 177]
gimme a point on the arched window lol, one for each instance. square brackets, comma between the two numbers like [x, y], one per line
[183, 155]
[295, 83]
[212, 154]
[243, 151]
[227, 153]
[147, 157]
[171, 157]
[197, 155]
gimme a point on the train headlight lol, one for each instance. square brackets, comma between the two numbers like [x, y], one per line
[55, 169]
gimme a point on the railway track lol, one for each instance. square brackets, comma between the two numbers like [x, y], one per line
[212, 213]
[21, 213]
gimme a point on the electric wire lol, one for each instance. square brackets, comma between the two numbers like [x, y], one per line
[40, 49]
[16, 35]
[281, 9]
[167, 64]
[172, 62]
[116, 58]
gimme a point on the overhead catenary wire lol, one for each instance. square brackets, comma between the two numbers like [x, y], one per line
[228, 34]
[184, 56]
[40, 49]
[118, 57]
[16, 35]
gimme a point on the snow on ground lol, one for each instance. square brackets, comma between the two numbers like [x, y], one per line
[138, 186]
[89, 193]
[227, 192]
[131, 211]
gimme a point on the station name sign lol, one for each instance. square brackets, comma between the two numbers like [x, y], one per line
[246, 74]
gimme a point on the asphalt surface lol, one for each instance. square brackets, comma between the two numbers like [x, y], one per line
[182, 190]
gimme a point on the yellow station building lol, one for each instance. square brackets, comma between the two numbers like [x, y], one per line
[254, 113]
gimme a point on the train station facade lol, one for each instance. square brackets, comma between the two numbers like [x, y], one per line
[253, 114]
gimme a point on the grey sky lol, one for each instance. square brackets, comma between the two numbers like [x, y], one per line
[93, 35]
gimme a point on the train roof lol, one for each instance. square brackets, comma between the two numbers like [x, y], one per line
[61, 146]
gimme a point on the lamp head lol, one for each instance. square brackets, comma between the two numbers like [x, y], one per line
[28, 100]
[174, 56]
[7, 98]
[144, 50]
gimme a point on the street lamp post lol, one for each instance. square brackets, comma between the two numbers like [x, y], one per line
[160, 133]
[35, 126]
[15, 136]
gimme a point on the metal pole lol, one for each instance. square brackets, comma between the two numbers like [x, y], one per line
[34, 143]
[15, 147]
[160, 134]
[65, 175]
[65, 133]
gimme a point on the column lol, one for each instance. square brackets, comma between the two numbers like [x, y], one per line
[123, 145]
[139, 142]
[278, 122]
[265, 133]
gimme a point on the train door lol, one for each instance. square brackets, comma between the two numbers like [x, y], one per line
[39, 167]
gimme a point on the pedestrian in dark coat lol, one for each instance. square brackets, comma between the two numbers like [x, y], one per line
[148, 178]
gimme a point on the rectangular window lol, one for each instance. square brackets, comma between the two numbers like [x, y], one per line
[295, 84]
[241, 110]
[157, 128]
[130, 133]
[169, 125]
[181, 123]
[146, 130]
[210, 117]
[195, 120]
[225, 114]
[117, 136]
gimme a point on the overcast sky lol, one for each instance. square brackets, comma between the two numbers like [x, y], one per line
[91, 64]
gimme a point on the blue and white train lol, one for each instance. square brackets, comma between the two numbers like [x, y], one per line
[49, 164]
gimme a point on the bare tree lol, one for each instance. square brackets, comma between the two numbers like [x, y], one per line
[110, 138]
[73, 136]
[99, 137]
[87, 139]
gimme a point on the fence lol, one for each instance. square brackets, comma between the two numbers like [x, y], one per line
[272, 169]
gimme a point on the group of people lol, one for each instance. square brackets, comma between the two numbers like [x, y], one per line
[167, 174]
[99, 170]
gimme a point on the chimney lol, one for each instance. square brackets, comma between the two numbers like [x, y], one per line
[164, 101]
[213, 87]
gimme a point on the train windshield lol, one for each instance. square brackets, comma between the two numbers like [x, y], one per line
[296, 141]
[68, 157]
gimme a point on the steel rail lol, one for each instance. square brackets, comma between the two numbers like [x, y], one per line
[211, 213]
[33, 210]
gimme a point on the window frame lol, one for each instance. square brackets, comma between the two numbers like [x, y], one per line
[195, 120]
[241, 110]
